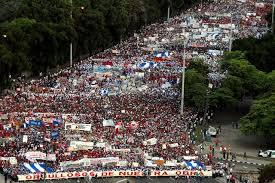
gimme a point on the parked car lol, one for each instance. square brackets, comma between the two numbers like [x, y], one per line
[266, 154]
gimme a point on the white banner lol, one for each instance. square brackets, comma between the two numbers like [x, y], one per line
[127, 173]
[34, 155]
[88, 162]
[13, 161]
[75, 126]
[151, 141]
[108, 122]
[80, 145]
[25, 138]
[121, 150]
[190, 157]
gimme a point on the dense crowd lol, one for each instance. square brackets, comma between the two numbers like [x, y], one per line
[134, 86]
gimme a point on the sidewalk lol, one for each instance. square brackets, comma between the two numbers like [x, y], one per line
[239, 157]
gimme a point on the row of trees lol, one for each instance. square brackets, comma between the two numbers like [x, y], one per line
[242, 80]
[35, 35]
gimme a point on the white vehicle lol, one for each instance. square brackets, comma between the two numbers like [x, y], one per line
[266, 154]
[212, 131]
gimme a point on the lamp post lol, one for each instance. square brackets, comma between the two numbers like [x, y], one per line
[2, 80]
[168, 14]
[231, 32]
[210, 86]
[183, 76]
[71, 44]
[272, 22]
[45, 171]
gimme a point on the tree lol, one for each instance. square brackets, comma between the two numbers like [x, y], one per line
[253, 81]
[267, 174]
[259, 52]
[261, 118]
[221, 98]
[196, 89]
[199, 66]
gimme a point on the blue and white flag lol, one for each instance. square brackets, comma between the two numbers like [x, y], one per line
[103, 92]
[161, 54]
[146, 65]
[193, 164]
[54, 134]
[56, 122]
[37, 123]
[37, 167]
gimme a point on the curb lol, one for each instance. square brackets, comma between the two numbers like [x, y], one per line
[245, 162]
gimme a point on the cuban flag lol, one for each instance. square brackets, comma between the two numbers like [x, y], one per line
[161, 54]
[37, 123]
[153, 65]
[56, 122]
[38, 167]
[103, 92]
[54, 134]
[144, 65]
[193, 164]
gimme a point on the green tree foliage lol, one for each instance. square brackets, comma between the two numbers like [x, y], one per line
[249, 80]
[196, 84]
[8, 9]
[267, 174]
[259, 52]
[199, 66]
[196, 89]
[261, 118]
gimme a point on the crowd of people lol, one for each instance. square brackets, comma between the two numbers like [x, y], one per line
[125, 100]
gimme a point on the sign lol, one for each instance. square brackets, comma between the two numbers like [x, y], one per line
[33, 155]
[153, 173]
[80, 145]
[25, 138]
[75, 126]
[13, 161]
[88, 162]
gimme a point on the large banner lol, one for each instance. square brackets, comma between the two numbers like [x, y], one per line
[81, 145]
[88, 162]
[153, 173]
[76, 126]
[34, 155]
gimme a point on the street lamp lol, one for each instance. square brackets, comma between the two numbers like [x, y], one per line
[183, 76]
[71, 44]
[4, 36]
[210, 86]
[272, 26]
[231, 33]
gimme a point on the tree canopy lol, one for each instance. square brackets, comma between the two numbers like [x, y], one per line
[261, 118]
[259, 52]
[35, 35]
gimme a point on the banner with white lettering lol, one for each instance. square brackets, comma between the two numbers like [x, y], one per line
[153, 173]
[81, 145]
[34, 155]
[88, 162]
[76, 126]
